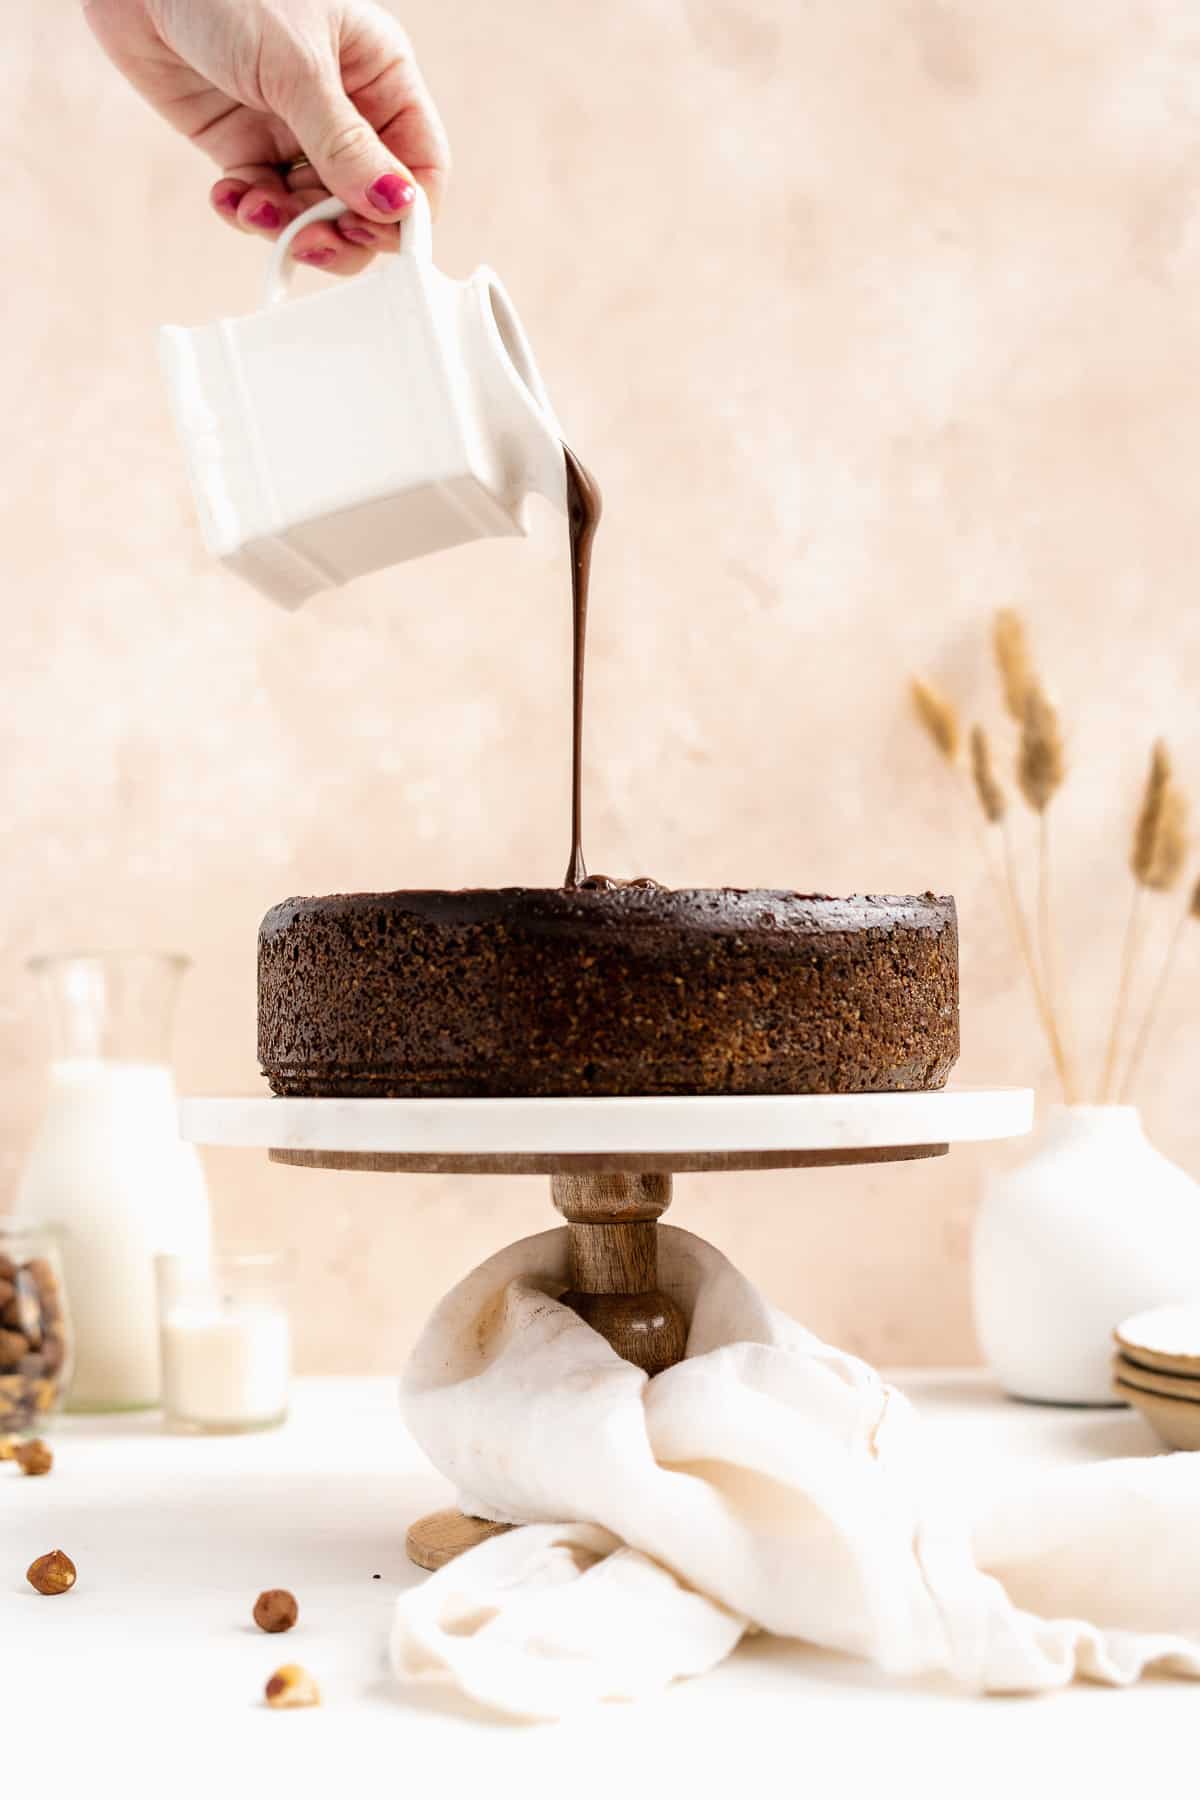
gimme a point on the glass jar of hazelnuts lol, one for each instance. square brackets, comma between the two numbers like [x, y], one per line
[35, 1332]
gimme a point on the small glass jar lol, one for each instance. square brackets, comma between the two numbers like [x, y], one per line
[225, 1339]
[35, 1334]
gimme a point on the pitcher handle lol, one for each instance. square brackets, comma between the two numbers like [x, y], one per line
[416, 239]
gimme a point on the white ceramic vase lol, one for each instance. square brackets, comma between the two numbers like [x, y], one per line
[1094, 1224]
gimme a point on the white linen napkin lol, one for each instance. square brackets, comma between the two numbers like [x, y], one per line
[767, 1481]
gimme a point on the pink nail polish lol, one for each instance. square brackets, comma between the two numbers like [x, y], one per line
[355, 234]
[265, 215]
[230, 200]
[317, 257]
[391, 193]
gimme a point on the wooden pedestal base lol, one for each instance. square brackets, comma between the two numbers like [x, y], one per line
[441, 1536]
[611, 1160]
[612, 1221]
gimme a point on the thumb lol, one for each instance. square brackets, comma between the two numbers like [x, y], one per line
[347, 153]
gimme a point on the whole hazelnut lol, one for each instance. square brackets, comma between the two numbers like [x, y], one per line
[13, 1346]
[53, 1573]
[276, 1610]
[23, 1312]
[34, 1458]
[43, 1276]
[292, 1686]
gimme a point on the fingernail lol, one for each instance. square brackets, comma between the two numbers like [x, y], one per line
[230, 200]
[354, 234]
[265, 215]
[318, 257]
[391, 193]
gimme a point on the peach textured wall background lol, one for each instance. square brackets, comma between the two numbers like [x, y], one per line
[870, 318]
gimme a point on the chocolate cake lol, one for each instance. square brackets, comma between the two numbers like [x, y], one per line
[609, 989]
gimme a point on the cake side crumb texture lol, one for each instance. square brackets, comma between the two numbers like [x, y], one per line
[551, 992]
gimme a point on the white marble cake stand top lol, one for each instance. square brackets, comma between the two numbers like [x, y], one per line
[439, 1132]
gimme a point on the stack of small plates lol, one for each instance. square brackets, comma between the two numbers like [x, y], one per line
[1157, 1369]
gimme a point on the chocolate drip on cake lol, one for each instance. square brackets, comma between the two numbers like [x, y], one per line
[607, 883]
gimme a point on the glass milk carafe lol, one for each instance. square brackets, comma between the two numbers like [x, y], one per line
[108, 1170]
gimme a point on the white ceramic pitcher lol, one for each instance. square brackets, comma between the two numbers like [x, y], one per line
[385, 417]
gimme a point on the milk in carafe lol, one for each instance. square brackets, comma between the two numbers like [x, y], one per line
[108, 1171]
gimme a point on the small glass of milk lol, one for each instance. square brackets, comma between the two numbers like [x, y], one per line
[226, 1343]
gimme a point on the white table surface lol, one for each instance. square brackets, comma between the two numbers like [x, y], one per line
[146, 1678]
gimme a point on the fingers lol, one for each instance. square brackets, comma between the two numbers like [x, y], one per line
[356, 230]
[348, 155]
[226, 196]
[351, 226]
[255, 197]
[320, 246]
[366, 121]
[258, 199]
[401, 107]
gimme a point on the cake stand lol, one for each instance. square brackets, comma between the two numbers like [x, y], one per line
[610, 1163]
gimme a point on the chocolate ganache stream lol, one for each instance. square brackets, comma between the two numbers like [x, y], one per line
[583, 515]
[584, 507]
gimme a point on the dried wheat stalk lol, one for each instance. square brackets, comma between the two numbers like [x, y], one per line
[992, 797]
[1156, 860]
[1041, 771]
[1041, 760]
[938, 716]
[1149, 820]
[1171, 848]
[993, 803]
[939, 719]
[1013, 660]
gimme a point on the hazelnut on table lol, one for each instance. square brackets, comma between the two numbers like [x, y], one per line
[292, 1686]
[53, 1573]
[276, 1610]
[34, 1458]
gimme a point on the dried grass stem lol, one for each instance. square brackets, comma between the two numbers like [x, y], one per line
[1012, 660]
[1156, 860]
[1041, 760]
[938, 716]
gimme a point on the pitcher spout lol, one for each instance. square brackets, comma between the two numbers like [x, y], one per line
[517, 424]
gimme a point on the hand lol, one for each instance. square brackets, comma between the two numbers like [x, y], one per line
[257, 83]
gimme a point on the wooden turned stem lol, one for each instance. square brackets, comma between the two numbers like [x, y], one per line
[612, 1221]
[614, 1259]
[613, 1263]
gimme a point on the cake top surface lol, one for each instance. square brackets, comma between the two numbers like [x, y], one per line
[726, 908]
